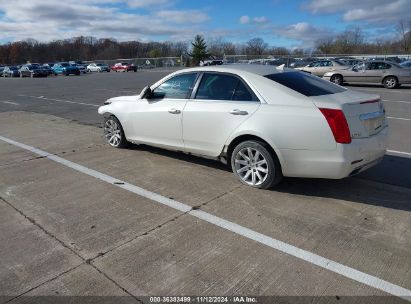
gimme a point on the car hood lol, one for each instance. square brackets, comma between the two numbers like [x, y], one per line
[123, 98]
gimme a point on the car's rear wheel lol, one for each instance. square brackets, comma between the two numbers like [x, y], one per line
[337, 79]
[113, 132]
[390, 82]
[254, 165]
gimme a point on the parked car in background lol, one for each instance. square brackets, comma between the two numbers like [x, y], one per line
[80, 65]
[124, 67]
[319, 68]
[1, 68]
[211, 61]
[390, 74]
[10, 71]
[350, 62]
[300, 63]
[98, 67]
[64, 68]
[266, 122]
[406, 64]
[32, 70]
[82, 68]
[47, 68]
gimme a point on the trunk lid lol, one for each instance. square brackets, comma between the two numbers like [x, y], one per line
[365, 113]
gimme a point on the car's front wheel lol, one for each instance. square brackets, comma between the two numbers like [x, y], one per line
[254, 164]
[113, 132]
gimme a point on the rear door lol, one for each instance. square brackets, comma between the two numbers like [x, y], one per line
[221, 103]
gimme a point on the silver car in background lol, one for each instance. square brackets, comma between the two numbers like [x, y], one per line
[390, 74]
[319, 68]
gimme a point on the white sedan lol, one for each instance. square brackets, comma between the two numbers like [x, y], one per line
[98, 67]
[264, 122]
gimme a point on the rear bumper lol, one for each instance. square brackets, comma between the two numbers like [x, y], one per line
[345, 160]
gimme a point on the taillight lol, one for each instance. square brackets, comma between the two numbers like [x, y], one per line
[338, 125]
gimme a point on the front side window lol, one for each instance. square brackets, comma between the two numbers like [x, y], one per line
[178, 87]
[223, 87]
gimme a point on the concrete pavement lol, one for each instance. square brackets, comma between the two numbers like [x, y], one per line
[71, 233]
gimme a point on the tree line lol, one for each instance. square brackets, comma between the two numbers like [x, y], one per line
[351, 41]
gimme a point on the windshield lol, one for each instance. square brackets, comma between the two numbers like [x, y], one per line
[305, 84]
[64, 64]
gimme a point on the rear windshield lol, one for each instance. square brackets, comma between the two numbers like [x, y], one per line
[305, 84]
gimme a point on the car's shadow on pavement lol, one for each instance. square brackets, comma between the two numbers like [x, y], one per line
[392, 171]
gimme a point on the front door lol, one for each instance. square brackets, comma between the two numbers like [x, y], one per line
[157, 120]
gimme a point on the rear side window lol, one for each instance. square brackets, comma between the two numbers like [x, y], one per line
[305, 84]
[215, 86]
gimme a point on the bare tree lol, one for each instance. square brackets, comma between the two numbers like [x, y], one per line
[405, 35]
[256, 46]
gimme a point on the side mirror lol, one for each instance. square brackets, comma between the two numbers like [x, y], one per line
[146, 92]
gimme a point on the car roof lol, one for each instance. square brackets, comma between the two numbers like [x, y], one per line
[257, 69]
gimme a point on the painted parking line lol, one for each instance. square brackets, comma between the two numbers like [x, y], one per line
[398, 118]
[380, 89]
[60, 100]
[10, 102]
[294, 251]
[398, 153]
[400, 101]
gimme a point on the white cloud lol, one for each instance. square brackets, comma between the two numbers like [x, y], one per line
[261, 19]
[186, 16]
[255, 20]
[371, 11]
[53, 19]
[304, 32]
[244, 19]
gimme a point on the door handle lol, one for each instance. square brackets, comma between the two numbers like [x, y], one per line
[174, 111]
[238, 112]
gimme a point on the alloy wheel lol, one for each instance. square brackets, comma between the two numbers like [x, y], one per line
[112, 133]
[251, 166]
[337, 79]
[390, 82]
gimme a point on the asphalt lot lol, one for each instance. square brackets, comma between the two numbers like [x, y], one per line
[89, 220]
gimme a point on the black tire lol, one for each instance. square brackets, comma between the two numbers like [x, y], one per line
[111, 121]
[337, 79]
[266, 180]
[390, 82]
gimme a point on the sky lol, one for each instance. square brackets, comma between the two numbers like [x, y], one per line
[291, 24]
